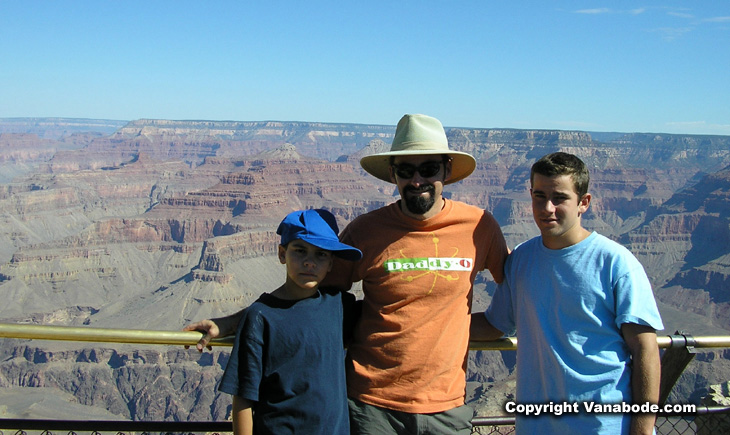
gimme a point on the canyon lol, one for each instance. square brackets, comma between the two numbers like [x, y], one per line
[152, 224]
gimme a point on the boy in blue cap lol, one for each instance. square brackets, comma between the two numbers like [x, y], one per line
[286, 372]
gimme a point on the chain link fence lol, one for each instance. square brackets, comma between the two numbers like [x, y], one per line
[706, 421]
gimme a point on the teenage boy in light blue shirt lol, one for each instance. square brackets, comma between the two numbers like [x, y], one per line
[583, 310]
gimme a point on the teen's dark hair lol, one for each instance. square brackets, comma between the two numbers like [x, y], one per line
[560, 163]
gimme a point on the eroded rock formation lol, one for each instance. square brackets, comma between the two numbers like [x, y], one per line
[163, 222]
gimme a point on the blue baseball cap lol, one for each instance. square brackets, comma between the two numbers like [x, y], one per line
[316, 227]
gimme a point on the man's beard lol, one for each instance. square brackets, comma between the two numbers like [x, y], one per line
[418, 203]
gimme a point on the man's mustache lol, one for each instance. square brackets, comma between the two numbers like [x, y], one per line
[423, 188]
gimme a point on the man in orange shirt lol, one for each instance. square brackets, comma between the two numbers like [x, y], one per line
[406, 364]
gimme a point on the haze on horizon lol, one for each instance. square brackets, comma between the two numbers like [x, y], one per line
[573, 65]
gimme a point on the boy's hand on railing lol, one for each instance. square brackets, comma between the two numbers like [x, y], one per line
[215, 328]
[208, 328]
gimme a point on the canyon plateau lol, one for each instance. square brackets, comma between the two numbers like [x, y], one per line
[151, 224]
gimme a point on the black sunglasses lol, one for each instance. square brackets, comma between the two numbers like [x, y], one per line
[426, 170]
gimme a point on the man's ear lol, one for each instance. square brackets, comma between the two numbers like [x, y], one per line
[392, 175]
[447, 170]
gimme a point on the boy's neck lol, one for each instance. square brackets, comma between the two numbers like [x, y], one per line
[576, 236]
[293, 293]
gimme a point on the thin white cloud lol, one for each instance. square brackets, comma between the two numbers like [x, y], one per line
[593, 11]
[598, 11]
[680, 15]
[717, 20]
[668, 33]
[672, 33]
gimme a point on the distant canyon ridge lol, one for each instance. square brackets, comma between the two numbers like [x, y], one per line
[156, 223]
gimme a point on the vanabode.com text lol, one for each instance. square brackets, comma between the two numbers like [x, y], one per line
[593, 407]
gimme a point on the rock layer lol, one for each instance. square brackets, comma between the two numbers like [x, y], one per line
[164, 222]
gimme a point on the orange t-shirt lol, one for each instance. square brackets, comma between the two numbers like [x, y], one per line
[409, 350]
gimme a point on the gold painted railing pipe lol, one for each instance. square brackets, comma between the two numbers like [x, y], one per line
[664, 341]
[190, 338]
[137, 336]
[104, 335]
[509, 343]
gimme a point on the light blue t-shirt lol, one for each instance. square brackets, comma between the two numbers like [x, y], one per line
[567, 307]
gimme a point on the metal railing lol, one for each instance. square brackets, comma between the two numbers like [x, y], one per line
[105, 335]
[680, 350]
[190, 338]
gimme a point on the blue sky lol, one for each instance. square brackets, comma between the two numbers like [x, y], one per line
[656, 66]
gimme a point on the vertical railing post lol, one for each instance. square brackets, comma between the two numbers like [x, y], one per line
[676, 357]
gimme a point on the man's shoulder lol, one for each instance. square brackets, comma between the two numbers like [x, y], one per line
[374, 216]
[463, 207]
[472, 215]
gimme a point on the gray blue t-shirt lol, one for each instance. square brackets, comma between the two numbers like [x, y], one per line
[289, 359]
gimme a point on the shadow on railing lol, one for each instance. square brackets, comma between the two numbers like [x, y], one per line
[679, 352]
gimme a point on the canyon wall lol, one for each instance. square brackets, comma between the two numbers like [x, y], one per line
[158, 223]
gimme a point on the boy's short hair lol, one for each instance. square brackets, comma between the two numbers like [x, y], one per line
[318, 228]
[561, 163]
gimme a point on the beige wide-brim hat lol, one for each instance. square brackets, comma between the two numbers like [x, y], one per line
[418, 135]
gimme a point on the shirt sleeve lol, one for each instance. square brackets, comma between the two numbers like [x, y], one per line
[244, 371]
[500, 312]
[635, 301]
[351, 310]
